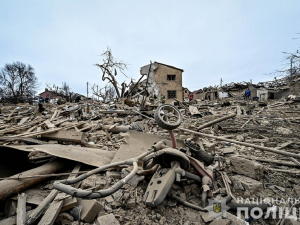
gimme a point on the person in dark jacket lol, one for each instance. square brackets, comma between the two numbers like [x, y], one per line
[247, 94]
[41, 100]
[77, 99]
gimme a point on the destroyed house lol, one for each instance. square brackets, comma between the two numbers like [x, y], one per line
[277, 93]
[164, 79]
[210, 93]
[48, 94]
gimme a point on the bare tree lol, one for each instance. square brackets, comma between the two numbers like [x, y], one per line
[64, 91]
[101, 93]
[111, 93]
[109, 68]
[107, 93]
[291, 66]
[18, 82]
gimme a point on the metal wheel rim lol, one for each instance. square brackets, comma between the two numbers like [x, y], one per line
[168, 114]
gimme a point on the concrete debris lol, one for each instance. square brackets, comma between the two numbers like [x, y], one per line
[64, 218]
[247, 167]
[235, 220]
[282, 130]
[95, 180]
[90, 209]
[220, 221]
[206, 218]
[246, 183]
[107, 219]
[251, 143]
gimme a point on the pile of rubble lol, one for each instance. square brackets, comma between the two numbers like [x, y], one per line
[248, 151]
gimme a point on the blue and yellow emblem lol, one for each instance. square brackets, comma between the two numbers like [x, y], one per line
[217, 207]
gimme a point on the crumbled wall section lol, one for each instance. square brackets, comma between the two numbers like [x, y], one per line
[153, 87]
[262, 93]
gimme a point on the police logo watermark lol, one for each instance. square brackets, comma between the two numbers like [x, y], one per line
[217, 208]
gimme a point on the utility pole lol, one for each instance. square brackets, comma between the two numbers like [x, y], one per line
[87, 110]
[87, 90]
[97, 93]
[291, 73]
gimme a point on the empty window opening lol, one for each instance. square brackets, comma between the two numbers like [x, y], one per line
[171, 94]
[171, 77]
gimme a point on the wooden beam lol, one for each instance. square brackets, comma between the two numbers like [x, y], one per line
[243, 143]
[280, 162]
[21, 210]
[33, 134]
[216, 121]
[10, 187]
[52, 212]
[63, 135]
[26, 140]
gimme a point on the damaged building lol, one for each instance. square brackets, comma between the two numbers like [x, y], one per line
[269, 90]
[164, 79]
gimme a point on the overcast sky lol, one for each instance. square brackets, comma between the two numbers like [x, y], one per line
[210, 40]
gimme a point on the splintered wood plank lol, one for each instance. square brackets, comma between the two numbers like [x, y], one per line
[56, 206]
[21, 210]
[49, 124]
[53, 116]
[37, 212]
[23, 120]
[52, 212]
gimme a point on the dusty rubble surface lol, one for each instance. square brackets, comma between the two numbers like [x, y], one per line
[80, 138]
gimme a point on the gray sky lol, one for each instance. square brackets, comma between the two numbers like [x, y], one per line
[233, 40]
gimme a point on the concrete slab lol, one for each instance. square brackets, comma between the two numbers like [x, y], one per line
[248, 183]
[107, 219]
[139, 143]
[247, 167]
[90, 209]
[89, 156]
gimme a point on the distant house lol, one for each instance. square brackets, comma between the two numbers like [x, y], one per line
[209, 94]
[48, 94]
[164, 79]
[273, 93]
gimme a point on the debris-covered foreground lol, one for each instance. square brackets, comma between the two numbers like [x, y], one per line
[235, 151]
